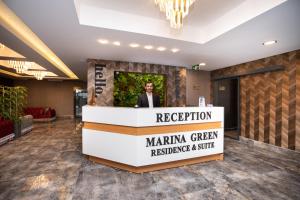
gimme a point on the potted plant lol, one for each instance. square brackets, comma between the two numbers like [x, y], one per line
[12, 101]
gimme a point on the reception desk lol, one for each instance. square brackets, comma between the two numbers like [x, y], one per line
[142, 139]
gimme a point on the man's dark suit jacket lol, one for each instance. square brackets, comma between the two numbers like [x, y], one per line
[143, 100]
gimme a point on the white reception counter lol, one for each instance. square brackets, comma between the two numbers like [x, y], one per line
[143, 139]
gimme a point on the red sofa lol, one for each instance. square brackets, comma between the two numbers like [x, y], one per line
[6, 130]
[41, 114]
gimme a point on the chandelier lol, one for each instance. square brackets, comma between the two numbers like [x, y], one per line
[19, 66]
[175, 10]
[39, 75]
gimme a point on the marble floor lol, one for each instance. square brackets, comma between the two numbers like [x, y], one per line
[47, 164]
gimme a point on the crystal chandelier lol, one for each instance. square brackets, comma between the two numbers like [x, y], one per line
[175, 10]
[39, 75]
[19, 66]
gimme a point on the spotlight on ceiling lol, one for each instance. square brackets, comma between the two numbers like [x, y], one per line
[267, 43]
[161, 48]
[103, 41]
[174, 50]
[116, 43]
[134, 45]
[148, 47]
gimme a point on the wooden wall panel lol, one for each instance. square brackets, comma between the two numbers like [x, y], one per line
[257, 100]
[297, 139]
[292, 103]
[285, 109]
[243, 107]
[272, 108]
[278, 108]
[270, 102]
[247, 129]
[176, 80]
[251, 91]
[265, 108]
[292, 110]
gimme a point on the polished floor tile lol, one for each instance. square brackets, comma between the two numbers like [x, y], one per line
[47, 163]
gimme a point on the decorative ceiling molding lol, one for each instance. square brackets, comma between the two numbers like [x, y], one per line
[91, 15]
[10, 73]
[16, 26]
[9, 53]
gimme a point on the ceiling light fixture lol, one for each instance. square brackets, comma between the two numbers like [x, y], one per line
[174, 50]
[134, 45]
[19, 66]
[270, 42]
[103, 41]
[148, 47]
[39, 75]
[10, 21]
[175, 10]
[161, 48]
[202, 64]
[116, 43]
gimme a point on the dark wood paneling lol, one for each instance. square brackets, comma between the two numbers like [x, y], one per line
[265, 107]
[278, 108]
[269, 101]
[247, 112]
[297, 139]
[272, 106]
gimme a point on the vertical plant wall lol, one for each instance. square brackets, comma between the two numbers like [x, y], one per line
[12, 102]
[129, 85]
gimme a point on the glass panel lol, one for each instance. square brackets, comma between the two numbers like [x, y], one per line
[80, 100]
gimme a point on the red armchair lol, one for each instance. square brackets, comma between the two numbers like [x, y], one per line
[41, 114]
[6, 130]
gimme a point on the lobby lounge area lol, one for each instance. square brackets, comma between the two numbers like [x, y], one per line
[152, 99]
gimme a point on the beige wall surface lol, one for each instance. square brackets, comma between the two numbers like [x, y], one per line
[197, 84]
[54, 94]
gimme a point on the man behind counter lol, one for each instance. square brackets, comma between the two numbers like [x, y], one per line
[148, 99]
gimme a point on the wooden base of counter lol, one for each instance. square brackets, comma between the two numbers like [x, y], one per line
[150, 168]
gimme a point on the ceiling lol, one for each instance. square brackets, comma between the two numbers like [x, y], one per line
[147, 8]
[206, 21]
[217, 33]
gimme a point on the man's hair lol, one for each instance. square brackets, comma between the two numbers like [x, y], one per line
[148, 83]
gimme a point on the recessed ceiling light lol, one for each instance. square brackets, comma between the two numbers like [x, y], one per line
[148, 47]
[270, 42]
[103, 41]
[134, 45]
[116, 43]
[161, 48]
[202, 64]
[174, 50]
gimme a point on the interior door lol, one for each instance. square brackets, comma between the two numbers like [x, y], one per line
[226, 94]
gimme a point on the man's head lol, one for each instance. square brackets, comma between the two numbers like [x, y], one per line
[149, 87]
